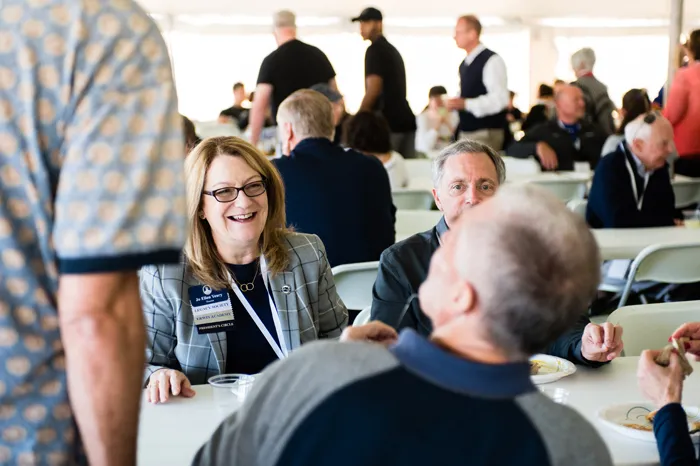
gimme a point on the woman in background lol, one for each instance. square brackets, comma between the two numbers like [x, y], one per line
[369, 133]
[683, 110]
[634, 103]
[436, 124]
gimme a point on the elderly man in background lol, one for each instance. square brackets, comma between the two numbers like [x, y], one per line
[484, 95]
[340, 195]
[599, 106]
[294, 65]
[565, 139]
[443, 398]
[466, 174]
[631, 186]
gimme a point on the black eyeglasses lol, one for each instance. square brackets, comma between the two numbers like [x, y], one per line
[230, 194]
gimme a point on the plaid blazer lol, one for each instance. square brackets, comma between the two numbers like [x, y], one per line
[309, 308]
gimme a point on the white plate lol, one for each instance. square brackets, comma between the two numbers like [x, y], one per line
[616, 416]
[554, 369]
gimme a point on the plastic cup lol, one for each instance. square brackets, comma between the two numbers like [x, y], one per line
[691, 219]
[230, 390]
[557, 395]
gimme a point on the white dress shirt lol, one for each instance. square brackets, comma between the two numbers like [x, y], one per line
[496, 82]
[429, 139]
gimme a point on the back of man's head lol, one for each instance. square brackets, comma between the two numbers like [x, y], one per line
[284, 19]
[650, 138]
[309, 113]
[533, 264]
[583, 61]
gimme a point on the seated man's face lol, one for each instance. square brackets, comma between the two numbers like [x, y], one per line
[657, 149]
[467, 180]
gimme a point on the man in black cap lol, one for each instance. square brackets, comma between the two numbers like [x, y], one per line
[340, 115]
[385, 84]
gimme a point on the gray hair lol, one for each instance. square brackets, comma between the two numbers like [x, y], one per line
[467, 146]
[583, 60]
[638, 129]
[284, 19]
[534, 265]
[309, 112]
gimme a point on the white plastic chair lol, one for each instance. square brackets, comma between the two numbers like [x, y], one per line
[687, 191]
[412, 199]
[210, 129]
[410, 222]
[649, 326]
[515, 166]
[419, 168]
[578, 206]
[666, 263]
[354, 283]
[364, 316]
[565, 189]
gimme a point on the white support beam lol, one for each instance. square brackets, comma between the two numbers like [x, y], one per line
[543, 59]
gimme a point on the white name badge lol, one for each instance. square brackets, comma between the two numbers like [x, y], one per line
[211, 309]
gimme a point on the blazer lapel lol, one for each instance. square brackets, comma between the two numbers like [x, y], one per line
[218, 345]
[283, 289]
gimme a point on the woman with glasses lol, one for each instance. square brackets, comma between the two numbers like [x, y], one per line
[247, 291]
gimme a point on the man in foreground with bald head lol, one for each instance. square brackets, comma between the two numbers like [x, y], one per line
[442, 400]
[565, 139]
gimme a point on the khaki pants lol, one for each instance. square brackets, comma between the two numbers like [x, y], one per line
[491, 137]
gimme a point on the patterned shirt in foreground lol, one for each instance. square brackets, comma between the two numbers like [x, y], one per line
[91, 180]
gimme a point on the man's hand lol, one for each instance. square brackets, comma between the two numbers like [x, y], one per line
[547, 156]
[456, 103]
[375, 331]
[601, 343]
[661, 385]
[691, 330]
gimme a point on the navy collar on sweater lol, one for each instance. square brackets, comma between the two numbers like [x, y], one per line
[427, 360]
[310, 143]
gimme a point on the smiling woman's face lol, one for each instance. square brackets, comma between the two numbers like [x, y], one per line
[239, 223]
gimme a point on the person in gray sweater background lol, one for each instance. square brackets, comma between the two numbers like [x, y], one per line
[599, 106]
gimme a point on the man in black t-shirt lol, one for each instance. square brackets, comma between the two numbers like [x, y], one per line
[293, 66]
[237, 111]
[385, 84]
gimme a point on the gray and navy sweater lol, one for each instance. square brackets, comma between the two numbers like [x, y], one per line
[414, 404]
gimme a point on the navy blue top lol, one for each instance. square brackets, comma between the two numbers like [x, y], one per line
[247, 350]
[468, 401]
[340, 195]
[672, 439]
[611, 202]
[471, 79]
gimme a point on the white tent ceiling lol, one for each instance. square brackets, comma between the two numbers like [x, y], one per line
[512, 11]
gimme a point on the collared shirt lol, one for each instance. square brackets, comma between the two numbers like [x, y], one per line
[427, 360]
[641, 169]
[496, 83]
[91, 180]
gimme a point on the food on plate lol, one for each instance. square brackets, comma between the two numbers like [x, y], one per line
[677, 345]
[535, 367]
[646, 428]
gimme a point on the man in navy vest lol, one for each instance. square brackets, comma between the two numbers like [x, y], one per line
[484, 91]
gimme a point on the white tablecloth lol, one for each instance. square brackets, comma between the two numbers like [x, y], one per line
[171, 434]
[626, 243]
